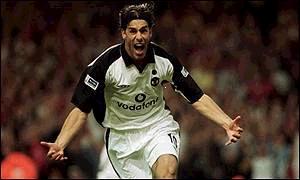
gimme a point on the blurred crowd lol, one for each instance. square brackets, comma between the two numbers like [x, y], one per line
[242, 54]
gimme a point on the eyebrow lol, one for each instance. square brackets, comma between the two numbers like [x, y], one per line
[146, 26]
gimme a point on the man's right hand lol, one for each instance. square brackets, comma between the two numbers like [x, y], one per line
[55, 152]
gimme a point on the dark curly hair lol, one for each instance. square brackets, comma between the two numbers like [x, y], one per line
[137, 11]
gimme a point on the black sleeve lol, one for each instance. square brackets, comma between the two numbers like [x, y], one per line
[183, 83]
[90, 84]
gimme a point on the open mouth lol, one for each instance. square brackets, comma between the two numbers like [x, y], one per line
[139, 48]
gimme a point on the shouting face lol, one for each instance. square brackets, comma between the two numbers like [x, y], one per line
[137, 36]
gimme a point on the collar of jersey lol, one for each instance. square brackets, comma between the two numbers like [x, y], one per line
[129, 61]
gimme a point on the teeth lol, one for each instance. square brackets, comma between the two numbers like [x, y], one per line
[139, 46]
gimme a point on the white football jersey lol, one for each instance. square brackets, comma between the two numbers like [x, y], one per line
[125, 96]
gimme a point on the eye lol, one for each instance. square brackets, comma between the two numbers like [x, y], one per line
[143, 31]
[132, 31]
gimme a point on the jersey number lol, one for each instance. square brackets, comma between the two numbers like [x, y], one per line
[173, 139]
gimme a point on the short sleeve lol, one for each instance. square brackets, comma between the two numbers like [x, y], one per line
[183, 83]
[89, 85]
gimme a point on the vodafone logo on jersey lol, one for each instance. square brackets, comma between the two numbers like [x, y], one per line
[140, 97]
[141, 103]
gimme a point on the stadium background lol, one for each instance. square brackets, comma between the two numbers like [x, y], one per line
[242, 53]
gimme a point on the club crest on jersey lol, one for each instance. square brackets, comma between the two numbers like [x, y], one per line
[184, 72]
[155, 81]
[92, 83]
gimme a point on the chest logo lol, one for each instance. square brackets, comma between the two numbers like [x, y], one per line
[123, 86]
[141, 103]
[155, 81]
[140, 97]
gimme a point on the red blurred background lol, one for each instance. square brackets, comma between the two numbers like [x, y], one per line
[242, 53]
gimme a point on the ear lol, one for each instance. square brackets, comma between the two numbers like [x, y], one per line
[150, 33]
[123, 33]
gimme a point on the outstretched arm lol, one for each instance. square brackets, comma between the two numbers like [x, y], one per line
[206, 106]
[71, 126]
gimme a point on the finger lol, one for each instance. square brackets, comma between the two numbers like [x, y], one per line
[45, 143]
[240, 130]
[53, 154]
[63, 158]
[228, 143]
[50, 153]
[238, 136]
[53, 157]
[59, 157]
[234, 140]
[237, 120]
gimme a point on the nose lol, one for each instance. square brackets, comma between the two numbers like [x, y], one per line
[139, 36]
